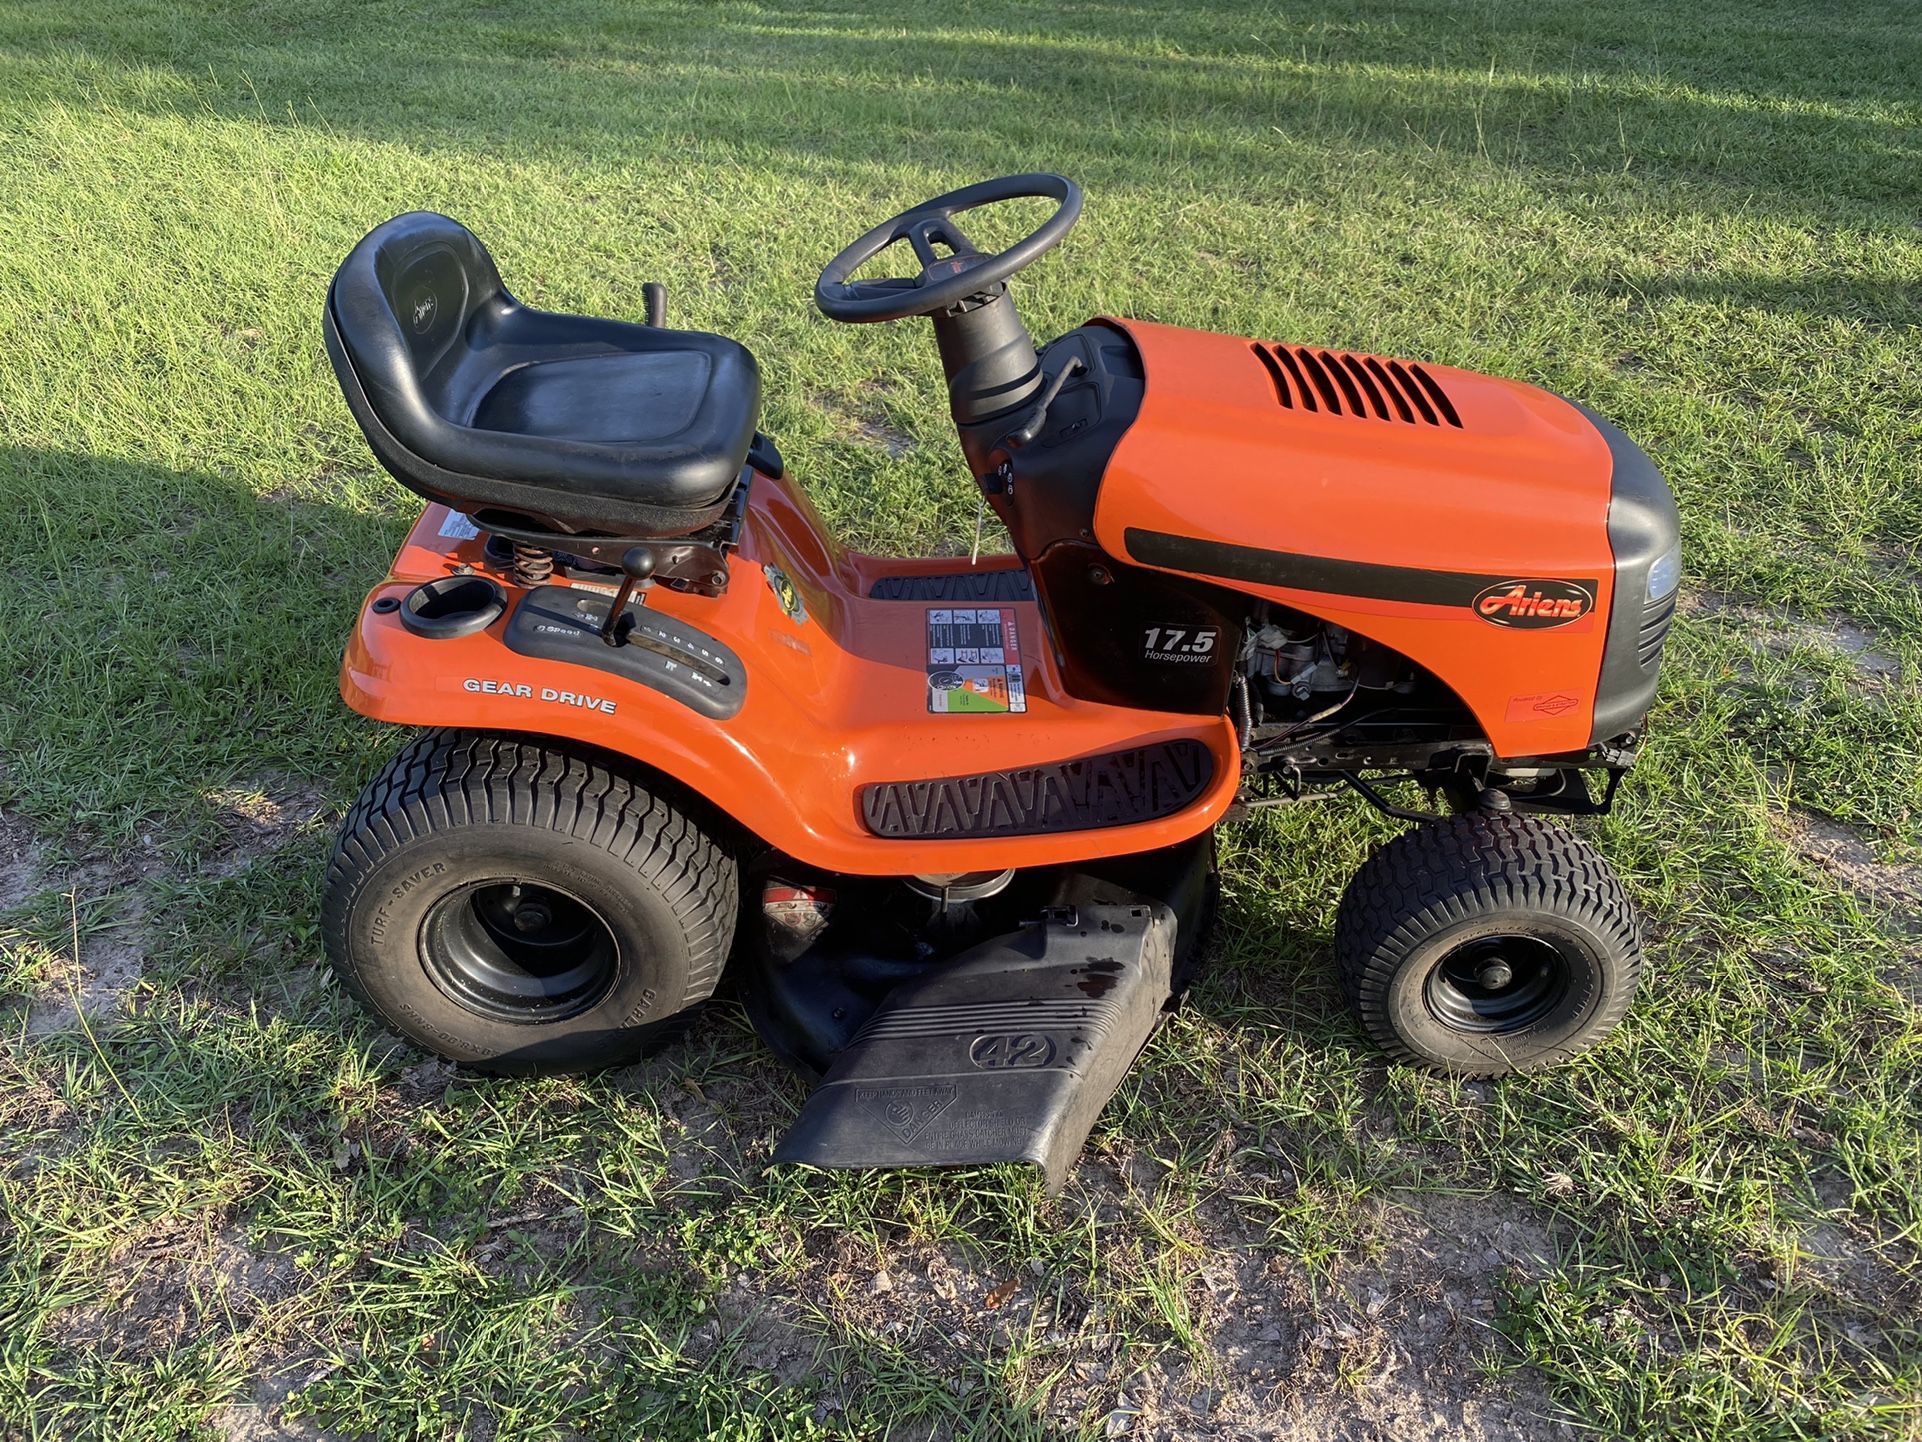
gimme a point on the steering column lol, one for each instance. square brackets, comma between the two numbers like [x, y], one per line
[986, 352]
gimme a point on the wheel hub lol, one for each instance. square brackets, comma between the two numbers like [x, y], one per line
[518, 952]
[1497, 984]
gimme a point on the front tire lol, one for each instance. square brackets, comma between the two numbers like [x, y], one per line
[1485, 944]
[517, 907]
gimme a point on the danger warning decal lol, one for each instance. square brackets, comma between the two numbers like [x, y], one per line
[974, 662]
[906, 1110]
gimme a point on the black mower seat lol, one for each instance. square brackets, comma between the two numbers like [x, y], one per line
[472, 399]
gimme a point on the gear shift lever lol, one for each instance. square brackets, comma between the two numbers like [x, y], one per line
[637, 567]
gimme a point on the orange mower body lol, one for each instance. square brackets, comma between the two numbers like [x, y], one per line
[950, 822]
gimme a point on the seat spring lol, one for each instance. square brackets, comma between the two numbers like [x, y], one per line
[533, 565]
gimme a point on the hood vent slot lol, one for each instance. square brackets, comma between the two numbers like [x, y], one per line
[1339, 383]
[1656, 616]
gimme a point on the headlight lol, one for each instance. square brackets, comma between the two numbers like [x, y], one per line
[1665, 574]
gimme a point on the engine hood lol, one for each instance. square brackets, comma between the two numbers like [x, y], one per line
[1350, 457]
[1461, 518]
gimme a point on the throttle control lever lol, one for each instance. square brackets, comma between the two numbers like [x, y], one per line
[1032, 423]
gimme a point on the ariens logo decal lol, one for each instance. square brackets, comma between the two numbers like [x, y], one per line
[1533, 605]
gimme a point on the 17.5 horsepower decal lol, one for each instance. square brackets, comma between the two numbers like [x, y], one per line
[1194, 645]
[974, 661]
[1533, 605]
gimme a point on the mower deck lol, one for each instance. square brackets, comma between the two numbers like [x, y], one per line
[1007, 1054]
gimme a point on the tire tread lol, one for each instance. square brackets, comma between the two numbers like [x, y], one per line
[446, 780]
[1448, 871]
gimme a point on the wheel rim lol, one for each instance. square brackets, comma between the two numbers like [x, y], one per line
[1498, 984]
[516, 951]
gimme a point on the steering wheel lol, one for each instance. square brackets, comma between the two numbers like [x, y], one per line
[945, 280]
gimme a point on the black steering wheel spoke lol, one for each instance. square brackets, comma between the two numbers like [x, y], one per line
[921, 237]
[956, 239]
[923, 232]
[944, 280]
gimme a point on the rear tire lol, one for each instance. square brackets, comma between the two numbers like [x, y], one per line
[1486, 944]
[518, 908]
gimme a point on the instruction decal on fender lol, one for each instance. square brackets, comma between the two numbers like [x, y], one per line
[974, 662]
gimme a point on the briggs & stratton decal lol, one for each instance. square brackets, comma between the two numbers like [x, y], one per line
[1543, 706]
[785, 592]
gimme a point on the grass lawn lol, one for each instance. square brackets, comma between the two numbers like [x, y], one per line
[230, 1206]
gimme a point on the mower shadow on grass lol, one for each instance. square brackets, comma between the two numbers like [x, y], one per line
[1793, 294]
[170, 632]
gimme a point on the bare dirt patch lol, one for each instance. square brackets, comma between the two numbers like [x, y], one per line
[1399, 1347]
[108, 965]
[261, 1418]
[866, 427]
[31, 1107]
[1780, 631]
[22, 861]
[174, 1281]
[896, 443]
[763, 1334]
[1892, 887]
[1861, 1281]
[105, 896]
[261, 817]
[182, 1281]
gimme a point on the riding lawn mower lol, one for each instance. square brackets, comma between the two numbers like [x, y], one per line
[949, 822]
